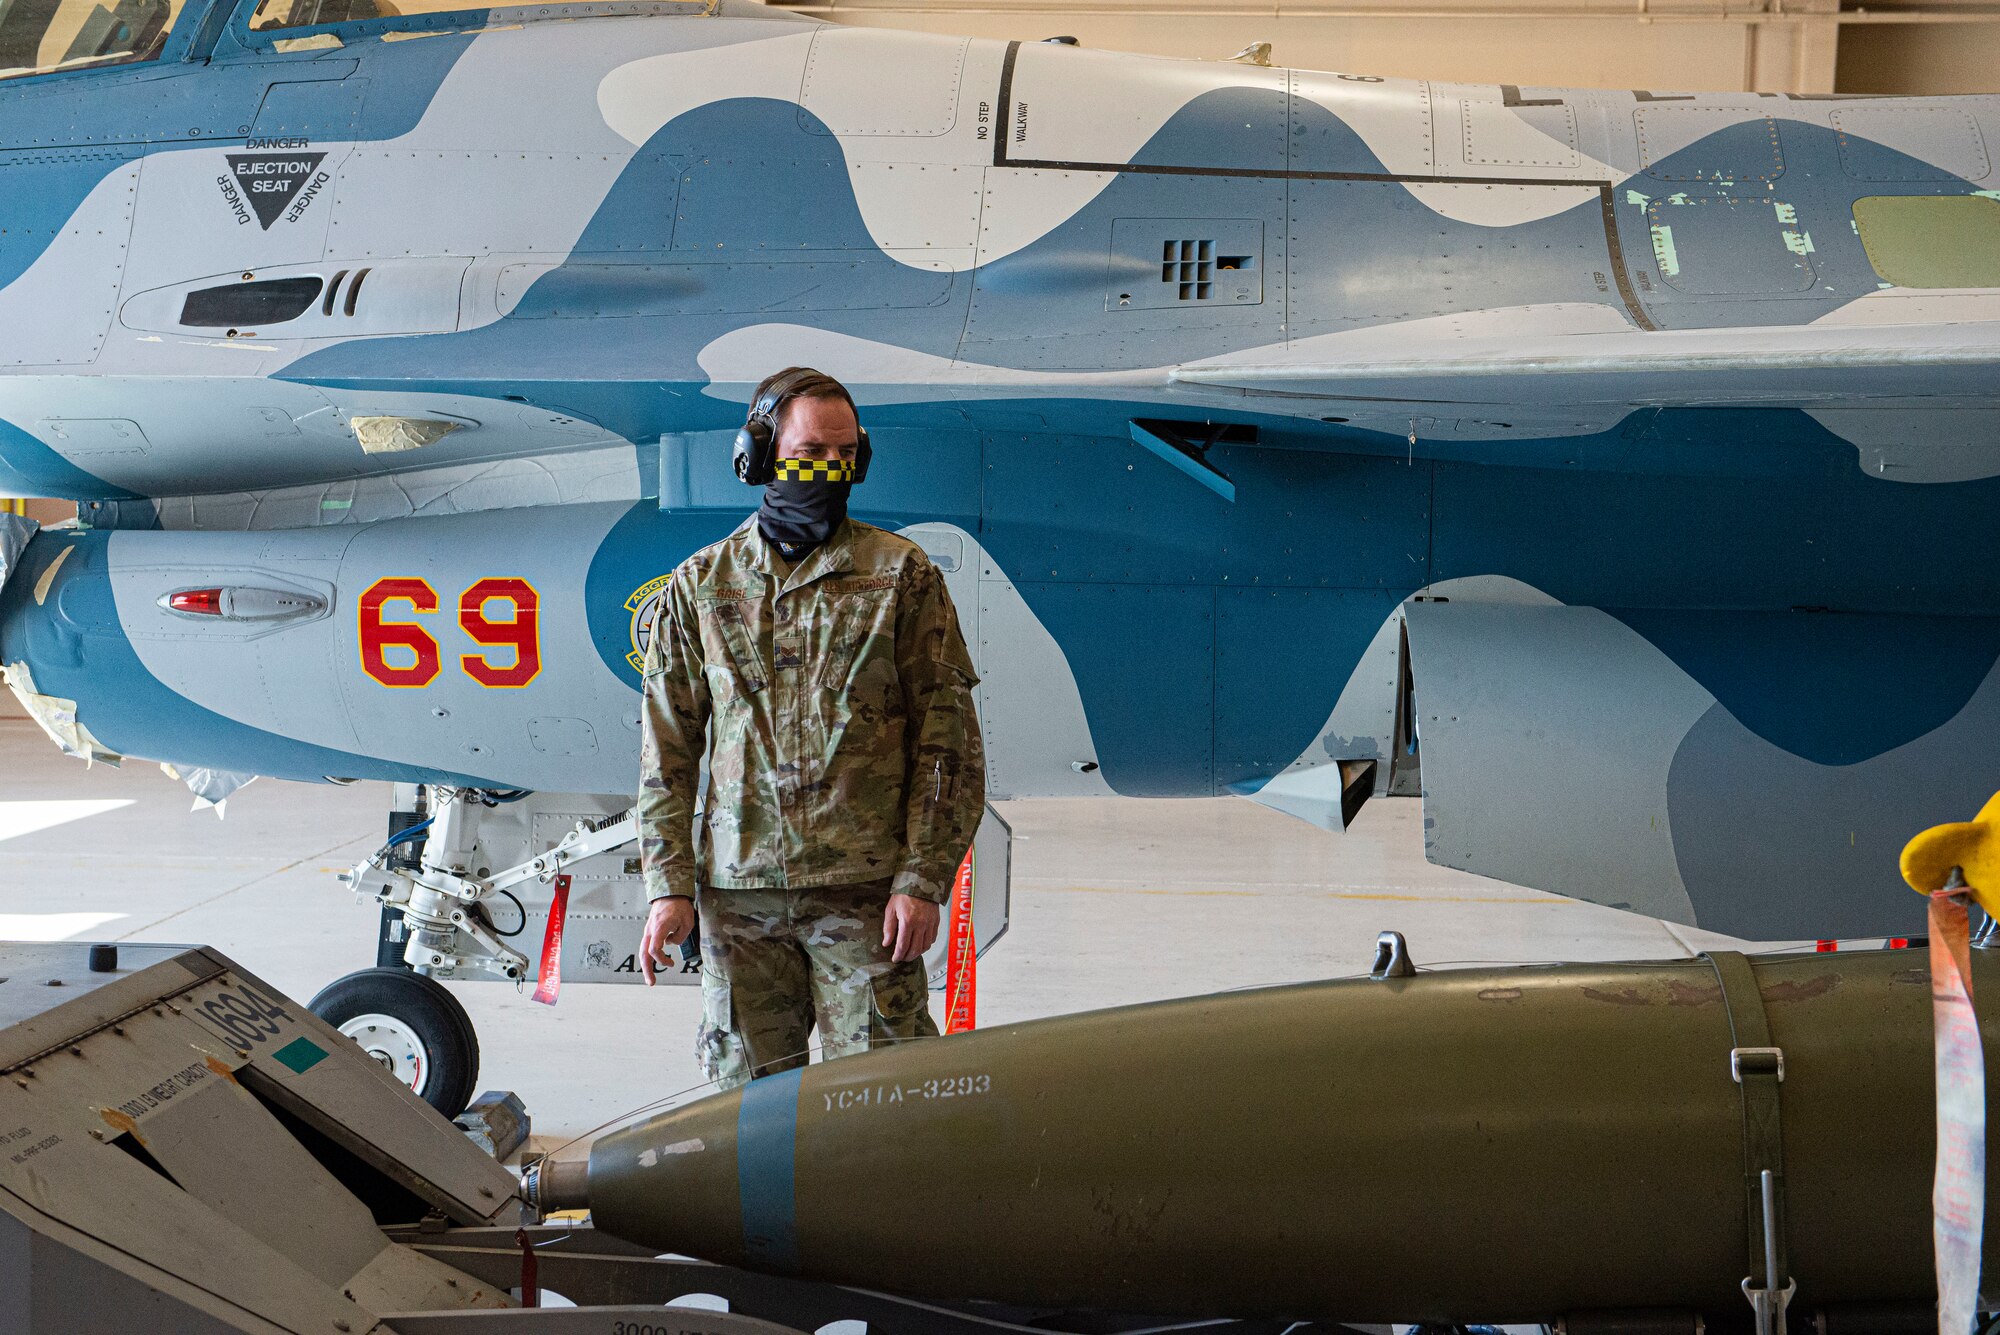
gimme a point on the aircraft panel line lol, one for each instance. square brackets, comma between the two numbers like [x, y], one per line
[1606, 198]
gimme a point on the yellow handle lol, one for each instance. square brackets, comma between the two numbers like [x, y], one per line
[1972, 846]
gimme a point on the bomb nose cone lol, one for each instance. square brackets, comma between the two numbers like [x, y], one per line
[557, 1184]
[712, 1179]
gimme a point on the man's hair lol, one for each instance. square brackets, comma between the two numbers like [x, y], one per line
[803, 383]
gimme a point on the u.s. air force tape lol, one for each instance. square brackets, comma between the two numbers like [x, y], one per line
[813, 470]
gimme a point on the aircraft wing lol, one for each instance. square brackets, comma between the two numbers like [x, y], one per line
[1590, 354]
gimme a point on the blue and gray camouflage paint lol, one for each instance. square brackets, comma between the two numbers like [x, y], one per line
[1620, 456]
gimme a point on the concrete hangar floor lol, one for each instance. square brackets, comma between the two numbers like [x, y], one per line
[1114, 901]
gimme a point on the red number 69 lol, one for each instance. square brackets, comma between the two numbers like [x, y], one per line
[520, 633]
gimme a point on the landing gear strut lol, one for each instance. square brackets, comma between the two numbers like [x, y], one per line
[467, 885]
[452, 908]
[448, 914]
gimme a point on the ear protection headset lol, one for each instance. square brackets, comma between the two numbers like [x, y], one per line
[757, 440]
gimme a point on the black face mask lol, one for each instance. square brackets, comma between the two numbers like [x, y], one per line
[798, 516]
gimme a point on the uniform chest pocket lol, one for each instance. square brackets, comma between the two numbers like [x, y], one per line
[726, 637]
[857, 621]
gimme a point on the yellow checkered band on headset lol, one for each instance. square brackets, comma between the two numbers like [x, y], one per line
[813, 470]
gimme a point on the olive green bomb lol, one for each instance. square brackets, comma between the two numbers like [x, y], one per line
[1505, 1145]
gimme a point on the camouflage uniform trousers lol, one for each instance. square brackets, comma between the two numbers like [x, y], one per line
[773, 961]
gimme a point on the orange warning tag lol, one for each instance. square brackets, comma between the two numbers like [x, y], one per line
[1958, 1193]
[549, 981]
[961, 970]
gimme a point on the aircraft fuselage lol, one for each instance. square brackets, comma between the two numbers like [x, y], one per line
[1188, 374]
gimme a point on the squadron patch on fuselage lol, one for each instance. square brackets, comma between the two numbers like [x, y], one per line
[269, 182]
[645, 600]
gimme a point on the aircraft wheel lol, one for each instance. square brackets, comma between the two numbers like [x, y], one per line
[411, 1025]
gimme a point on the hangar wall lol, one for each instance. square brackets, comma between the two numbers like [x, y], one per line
[1919, 57]
[1769, 46]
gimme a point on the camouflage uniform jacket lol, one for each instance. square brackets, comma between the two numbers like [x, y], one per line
[836, 707]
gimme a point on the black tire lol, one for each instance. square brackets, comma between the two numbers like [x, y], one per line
[448, 1046]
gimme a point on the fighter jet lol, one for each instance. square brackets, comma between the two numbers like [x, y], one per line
[1613, 469]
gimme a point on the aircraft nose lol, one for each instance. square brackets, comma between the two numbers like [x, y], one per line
[43, 599]
[31, 596]
[55, 595]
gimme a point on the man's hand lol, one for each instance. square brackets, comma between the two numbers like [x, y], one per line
[909, 927]
[668, 923]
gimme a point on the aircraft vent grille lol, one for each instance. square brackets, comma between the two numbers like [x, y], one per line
[1190, 265]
